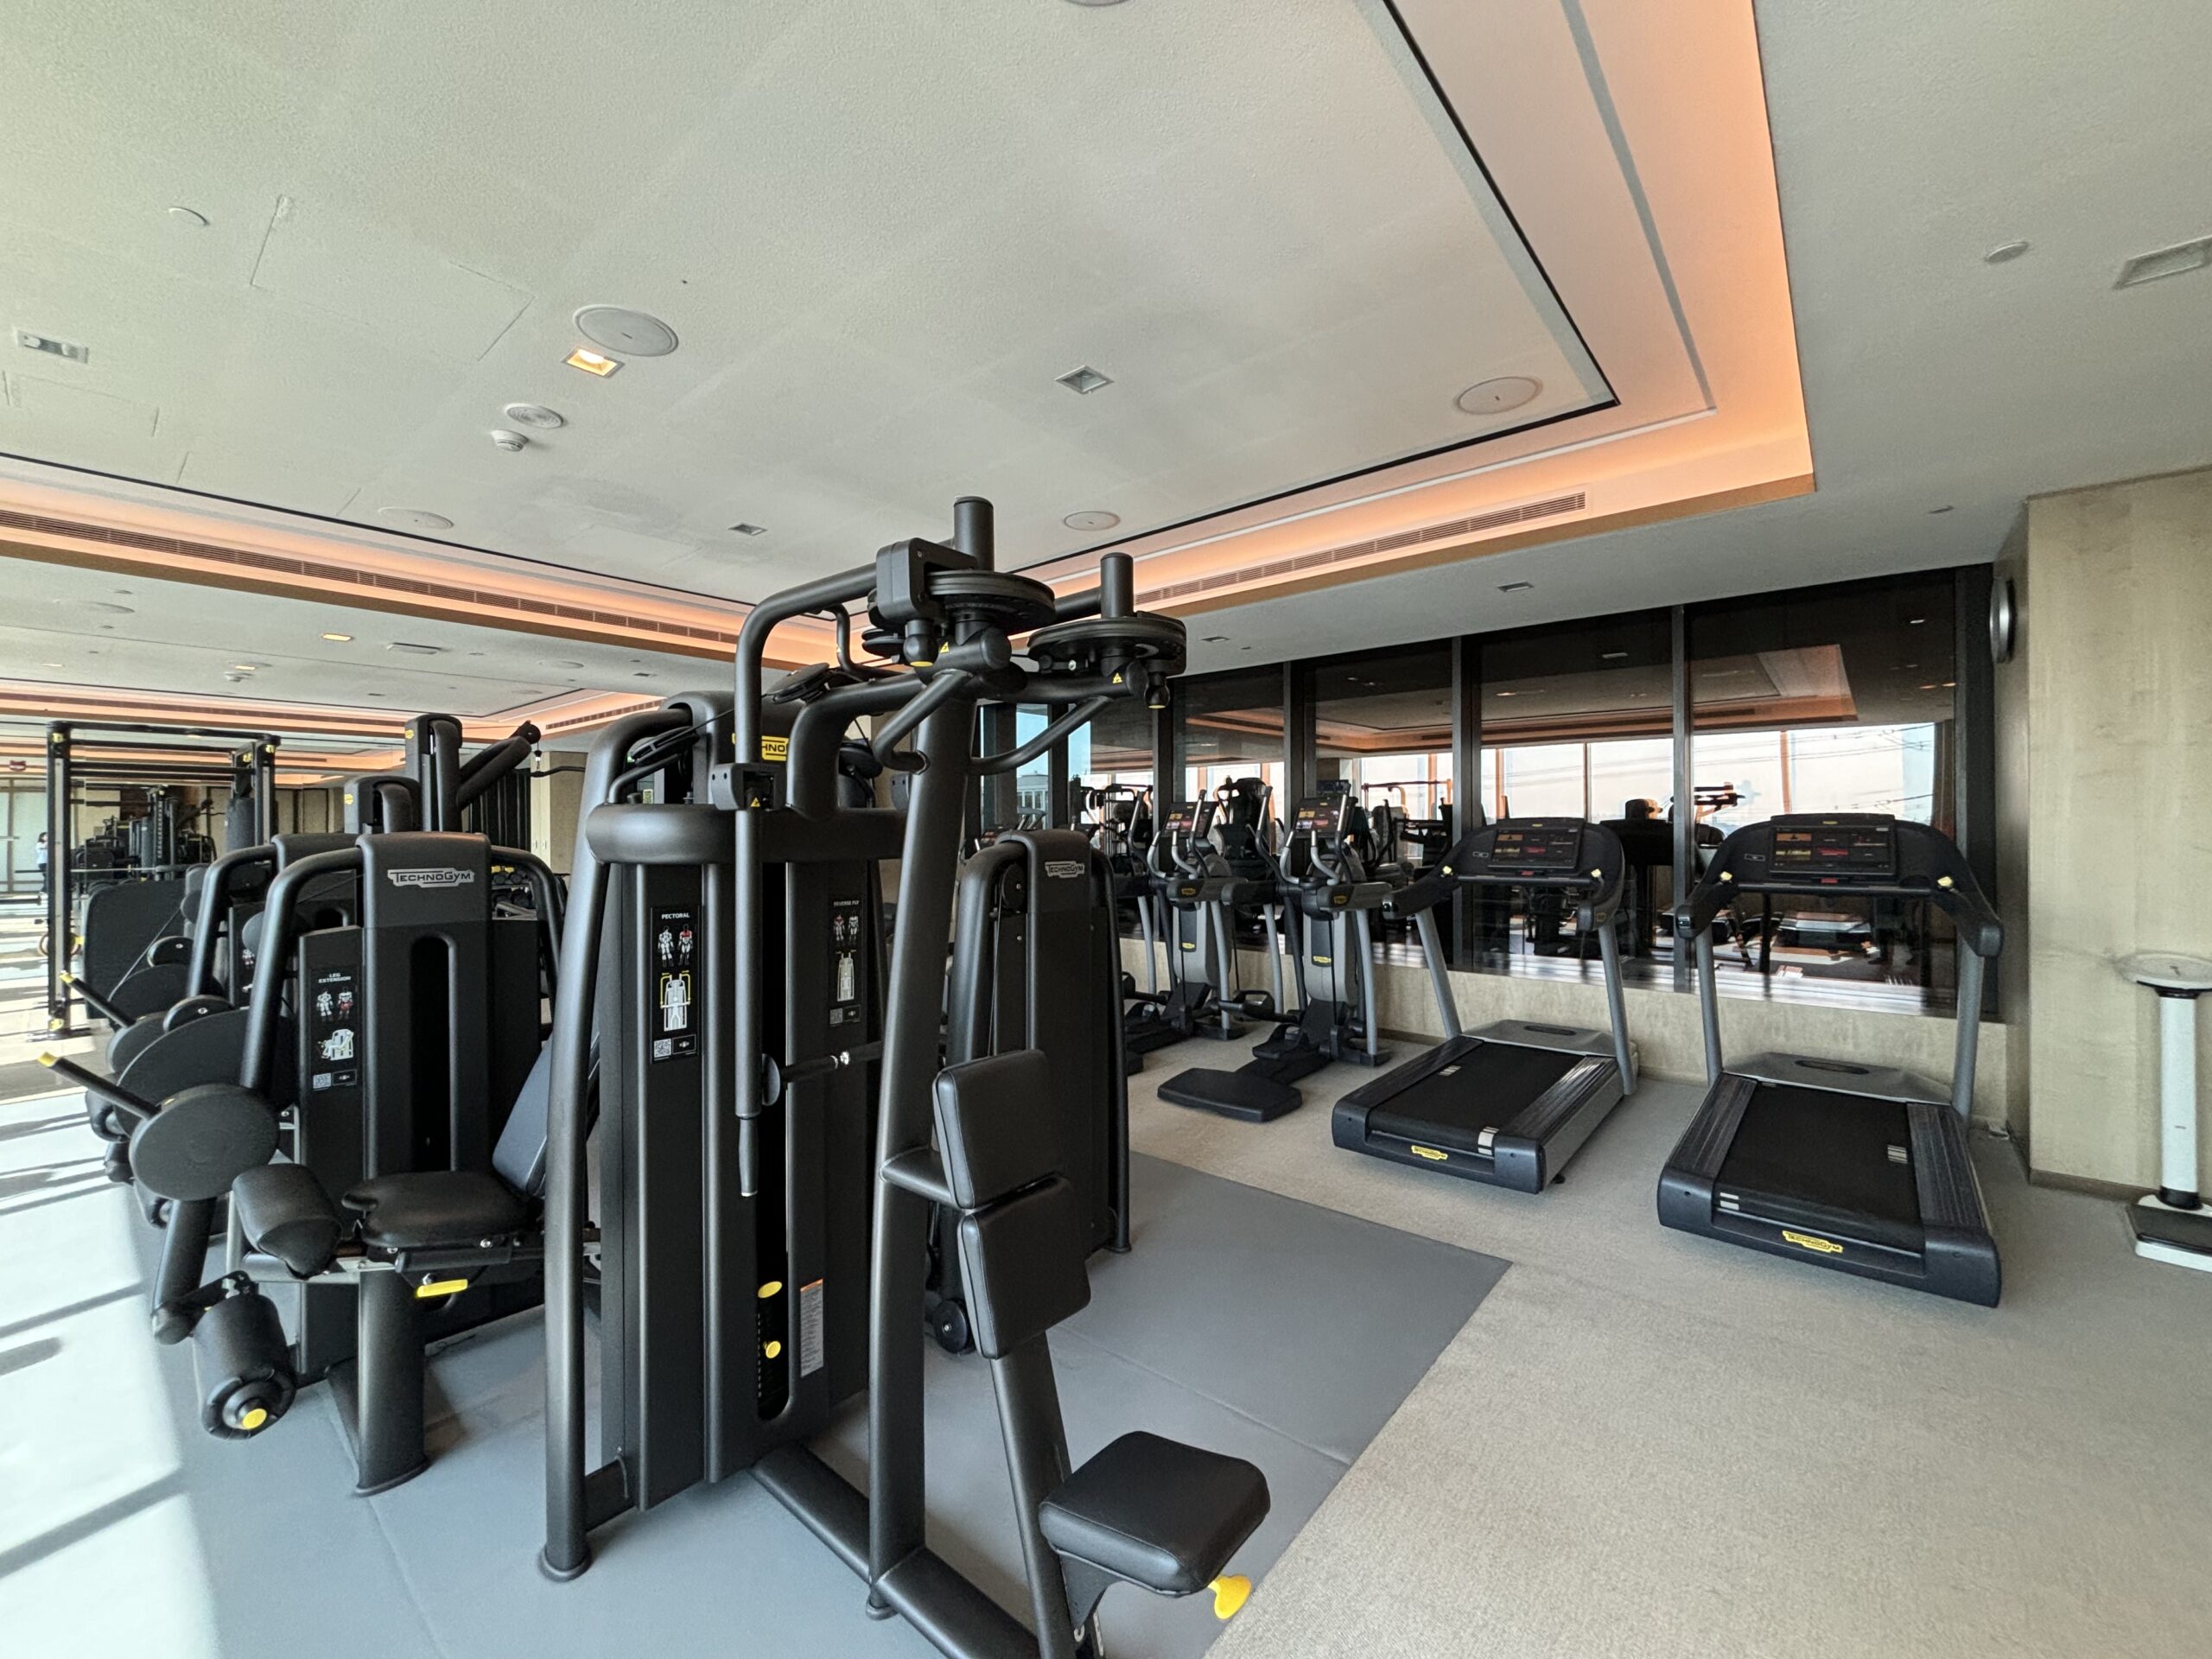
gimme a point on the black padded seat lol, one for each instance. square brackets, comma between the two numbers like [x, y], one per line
[1156, 1513]
[435, 1209]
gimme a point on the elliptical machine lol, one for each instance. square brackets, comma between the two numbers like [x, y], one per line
[1331, 904]
[1191, 884]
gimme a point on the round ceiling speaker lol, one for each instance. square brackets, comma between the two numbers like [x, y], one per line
[628, 333]
[416, 518]
[1092, 519]
[1495, 396]
[535, 415]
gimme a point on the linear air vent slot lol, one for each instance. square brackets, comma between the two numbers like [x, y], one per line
[1552, 507]
[316, 570]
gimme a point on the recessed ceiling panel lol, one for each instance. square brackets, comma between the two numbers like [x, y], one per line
[882, 231]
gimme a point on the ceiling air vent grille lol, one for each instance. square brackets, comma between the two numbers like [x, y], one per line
[1552, 507]
[598, 716]
[315, 570]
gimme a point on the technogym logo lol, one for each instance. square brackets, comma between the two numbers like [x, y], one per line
[430, 878]
[1063, 869]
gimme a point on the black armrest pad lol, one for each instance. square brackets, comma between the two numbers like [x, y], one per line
[284, 1212]
[1156, 1512]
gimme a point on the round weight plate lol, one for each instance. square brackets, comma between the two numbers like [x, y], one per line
[1015, 603]
[1143, 635]
[203, 1139]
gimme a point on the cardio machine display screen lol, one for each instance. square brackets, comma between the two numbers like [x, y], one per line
[1845, 849]
[1186, 817]
[1537, 844]
[1319, 815]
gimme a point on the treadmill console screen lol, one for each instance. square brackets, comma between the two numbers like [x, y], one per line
[1806, 848]
[1321, 816]
[1538, 844]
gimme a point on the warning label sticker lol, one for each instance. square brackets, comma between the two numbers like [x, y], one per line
[810, 1328]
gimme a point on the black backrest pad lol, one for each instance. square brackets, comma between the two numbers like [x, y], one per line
[1022, 1261]
[518, 1158]
[995, 1131]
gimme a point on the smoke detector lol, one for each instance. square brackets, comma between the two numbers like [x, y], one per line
[1095, 519]
[513, 442]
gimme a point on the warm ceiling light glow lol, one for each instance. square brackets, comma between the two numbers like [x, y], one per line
[592, 363]
[338, 638]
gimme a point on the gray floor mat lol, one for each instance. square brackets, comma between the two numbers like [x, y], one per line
[1242, 1320]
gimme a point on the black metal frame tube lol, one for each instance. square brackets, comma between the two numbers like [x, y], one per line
[1014, 759]
[810, 773]
[214, 901]
[279, 915]
[567, 1120]
[897, 1504]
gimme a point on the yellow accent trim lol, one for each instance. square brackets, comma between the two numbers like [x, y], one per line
[773, 1287]
[1318, 962]
[1230, 1591]
[48, 1059]
[775, 748]
[1943, 880]
[68, 979]
[1430, 1152]
[773, 1350]
[252, 1418]
[1807, 1241]
[440, 1288]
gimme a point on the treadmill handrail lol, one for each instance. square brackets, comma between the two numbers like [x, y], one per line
[1946, 882]
[1943, 879]
[1601, 873]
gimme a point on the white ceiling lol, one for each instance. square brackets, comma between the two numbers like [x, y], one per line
[880, 227]
[1243, 209]
[1909, 139]
[179, 640]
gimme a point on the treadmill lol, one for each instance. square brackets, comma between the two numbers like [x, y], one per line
[1861, 1168]
[1510, 1103]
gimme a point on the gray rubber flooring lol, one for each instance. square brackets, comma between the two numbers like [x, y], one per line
[1243, 1320]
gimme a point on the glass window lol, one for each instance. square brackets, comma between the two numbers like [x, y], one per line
[1032, 782]
[1578, 721]
[1230, 725]
[1382, 725]
[1114, 748]
[1830, 700]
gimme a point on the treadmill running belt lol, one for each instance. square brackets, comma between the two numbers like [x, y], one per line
[1489, 1086]
[1822, 1159]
